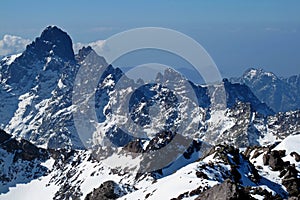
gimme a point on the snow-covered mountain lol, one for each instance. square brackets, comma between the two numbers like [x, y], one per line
[37, 88]
[221, 172]
[280, 94]
[44, 151]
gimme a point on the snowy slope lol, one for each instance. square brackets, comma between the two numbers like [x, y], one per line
[290, 144]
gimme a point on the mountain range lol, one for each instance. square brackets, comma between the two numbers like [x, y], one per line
[247, 149]
[280, 94]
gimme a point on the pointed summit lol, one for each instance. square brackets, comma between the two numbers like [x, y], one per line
[83, 52]
[253, 73]
[52, 42]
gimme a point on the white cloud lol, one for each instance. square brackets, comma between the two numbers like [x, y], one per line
[97, 45]
[11, 44]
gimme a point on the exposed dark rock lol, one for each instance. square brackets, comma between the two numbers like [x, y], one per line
[134, 146]
[276, 163]
[20, 162]
[258, 150]
[61, 156]
[285, 124]
[288, 172]
[22, 149]
[296, 156]
[29, 151]
[291, 181]
[256, 154]
[192, 193]
[224, 191]
[236, 174]
[4, 136]
[281, 153]
[231, 156]
[198, 191]
[168, 155]
[266, 158]
[82, 53]
[262, 192]
[201, 175]
[106, 191]
[67, 191]
[274, 160]
[250, 149]
[195, 146]
[53, 41]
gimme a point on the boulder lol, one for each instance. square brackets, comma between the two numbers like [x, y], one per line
[291, 181]
[4, 136]
[296, 156]
[274, 160]
[226, 190]
[107, 191]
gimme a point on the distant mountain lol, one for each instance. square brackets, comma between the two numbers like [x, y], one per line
[280, 94]
[37, 86]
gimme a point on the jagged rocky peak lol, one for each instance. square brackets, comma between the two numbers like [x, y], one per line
[294, 81]
[171, 74]
[241, 92]
[280, 94]
[254, 73]
[89, 56]
[83, 52]
[22, 149]
[52, 42]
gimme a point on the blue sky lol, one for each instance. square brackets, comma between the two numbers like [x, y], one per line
[237, 34]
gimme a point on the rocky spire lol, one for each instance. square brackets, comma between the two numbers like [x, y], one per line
[52, 42]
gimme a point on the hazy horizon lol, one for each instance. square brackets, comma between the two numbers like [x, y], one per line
[237, 35]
